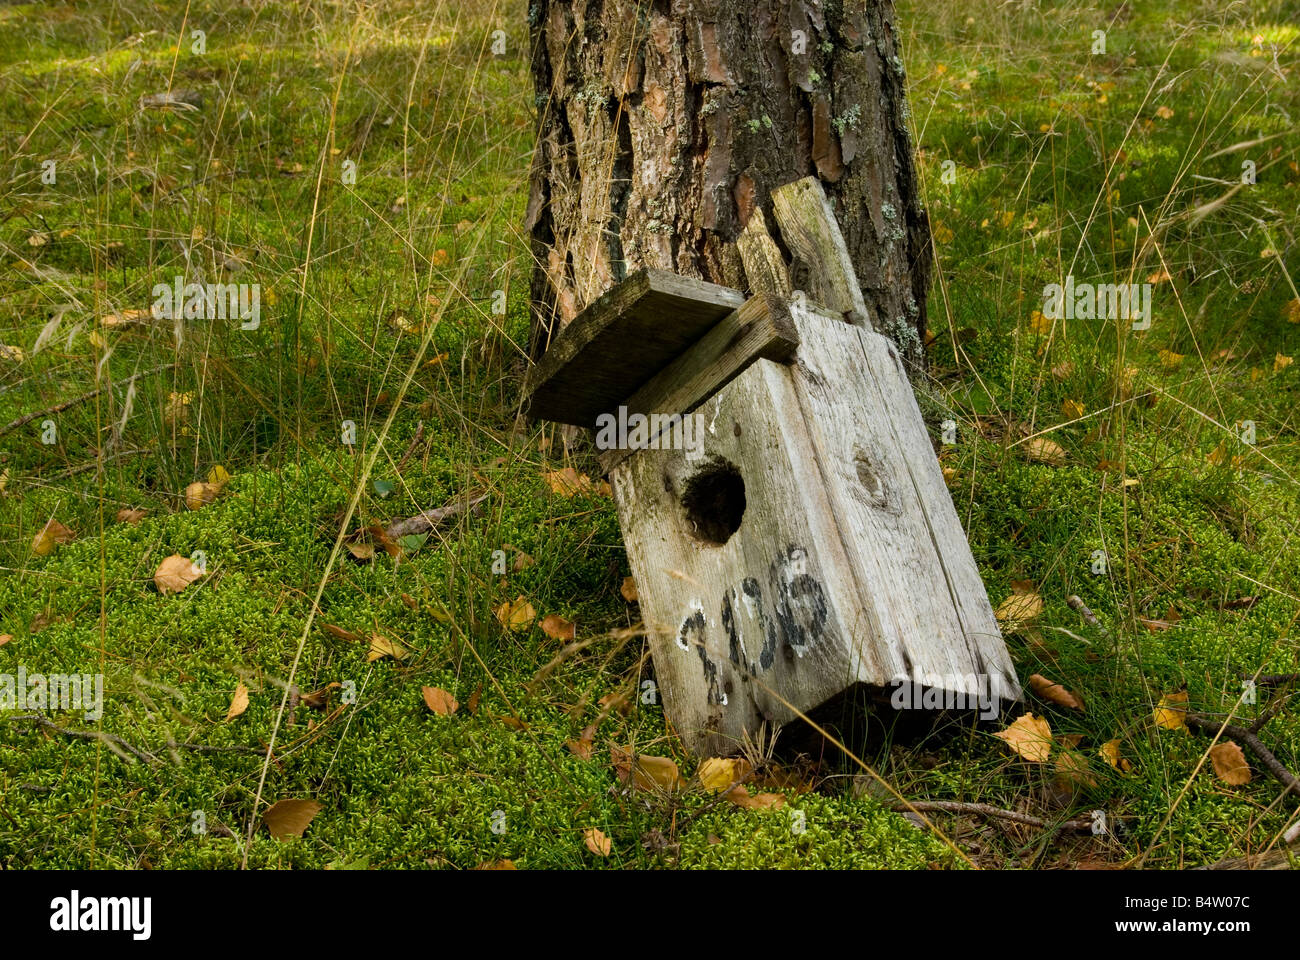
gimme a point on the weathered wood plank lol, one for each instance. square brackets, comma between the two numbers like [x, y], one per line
[761, 328]
[765, 268]
[620, 341]
[739, 626]
[906, 547]
[809, 229]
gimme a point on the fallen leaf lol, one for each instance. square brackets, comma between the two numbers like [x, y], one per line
[1280, 363]
[568, 482]
[1230, 763]
[1109, 752]
[497, 865]
[1163, 112]
[720, 773]
[199, 494]
[132, 517]
[362, 551]
[1291, 311]
[1053, 692]
[1063, 371]
[1170, 360]
[439, 701]
[557, 628]
[175, 573]
[49, 536]
[12, 353]
[381, 647]
[583, 746]
[629, 590]
[1073, 409]
[740, 796]
[472, 704]
[319, 699]
[1044, 450]
[1019, 610]
[290, 818]
[517, 615]
[342, 634]
[1171, 712]
[239, 702]
[645, 772]
[1030, 737]
[596, 842]
[5, 638]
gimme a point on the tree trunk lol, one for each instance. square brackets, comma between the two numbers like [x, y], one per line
[663, 125]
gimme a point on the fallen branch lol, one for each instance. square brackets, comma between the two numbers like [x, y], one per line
[415, 440]
[428, 519]
[1247, 737]
[110, 738]
[1081, 825]
[60, 407]
[1077, 603]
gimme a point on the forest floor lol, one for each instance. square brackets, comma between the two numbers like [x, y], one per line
[1152, 473]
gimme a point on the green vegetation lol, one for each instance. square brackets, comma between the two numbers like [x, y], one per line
[378, 308]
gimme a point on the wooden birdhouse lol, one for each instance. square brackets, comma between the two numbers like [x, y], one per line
[785, 516]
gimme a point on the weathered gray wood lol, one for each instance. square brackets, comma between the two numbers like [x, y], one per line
[761, 328]
[738, 626]
[621, 341]
[809, 229]
[765, 268]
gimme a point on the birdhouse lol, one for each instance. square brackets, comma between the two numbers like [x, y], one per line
[784, 513]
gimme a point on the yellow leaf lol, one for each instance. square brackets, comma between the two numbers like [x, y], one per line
[239, 702]
[1073, 409]
[1043, 450]
[1019, 609]
[218, 476]
[568, 482]
[517, 615]
[49, 536]
[1164, 113]
[1030, 737]
[557, 628]
[175, 573]
[1170, 360]
[1230, 764]
[1291, 311]
[596, 842]
[290, 818]
[200, 494]
[720, 773]
[381, 647]
[1171, 712]
[440, 258]
[1110, 753]
[1039, 324]
[12, 354]
[439, 701]
[644, 771]
[497, 865]
[1281, 362]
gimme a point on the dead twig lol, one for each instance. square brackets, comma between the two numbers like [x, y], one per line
[415, 441]
[425, 521]
[110, 738]
[60, 407]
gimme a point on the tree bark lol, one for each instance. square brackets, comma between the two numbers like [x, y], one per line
[663, 124]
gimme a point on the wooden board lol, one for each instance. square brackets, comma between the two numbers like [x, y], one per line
[848, 566]
[620, 341]
[761, 328]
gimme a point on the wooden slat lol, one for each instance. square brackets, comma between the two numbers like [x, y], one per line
[761, 328]
[809, 229]
[765, 268]
[620, 341]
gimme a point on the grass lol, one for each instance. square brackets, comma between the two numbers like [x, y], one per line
[381, 306]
